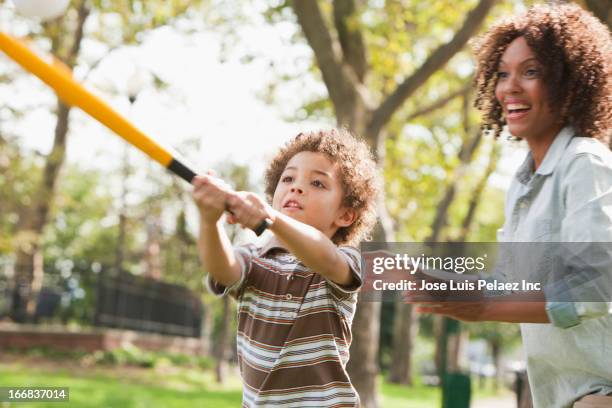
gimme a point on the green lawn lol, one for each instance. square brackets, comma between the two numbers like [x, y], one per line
[163, 387]
[152, 388]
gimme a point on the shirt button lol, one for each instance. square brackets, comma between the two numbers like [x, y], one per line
[288, 277]
[288, 296]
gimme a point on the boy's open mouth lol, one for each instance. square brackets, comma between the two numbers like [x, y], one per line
[292, 204]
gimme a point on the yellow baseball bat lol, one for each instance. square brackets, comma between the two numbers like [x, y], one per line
[59, 78]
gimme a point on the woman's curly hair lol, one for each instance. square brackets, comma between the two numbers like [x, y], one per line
[575, 50]
[357, 170]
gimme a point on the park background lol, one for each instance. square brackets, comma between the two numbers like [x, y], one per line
[225, 83]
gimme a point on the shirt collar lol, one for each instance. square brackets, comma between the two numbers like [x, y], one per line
[551, 158]
[272, 243]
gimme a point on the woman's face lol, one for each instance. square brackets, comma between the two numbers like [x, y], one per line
[522, 94]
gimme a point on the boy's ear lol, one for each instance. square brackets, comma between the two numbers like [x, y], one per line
[347, 217]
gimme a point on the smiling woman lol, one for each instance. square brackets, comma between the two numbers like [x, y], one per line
[521, 92]
[547, 76]
[566, 51]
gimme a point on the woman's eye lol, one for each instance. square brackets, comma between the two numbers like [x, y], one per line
[317, 183]
[502, 74]
[531, 72]
[287, 179]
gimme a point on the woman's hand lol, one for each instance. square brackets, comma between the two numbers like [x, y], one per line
[468, 306]
[465, 311]
[508, 309]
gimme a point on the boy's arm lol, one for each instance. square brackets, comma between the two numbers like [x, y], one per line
[313, 248]
[214, 247]
[307, 243]
[217, 254]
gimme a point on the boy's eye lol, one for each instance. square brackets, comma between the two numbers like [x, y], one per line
[502, 74]
[318, 183]
[286, 179]
[531, 72]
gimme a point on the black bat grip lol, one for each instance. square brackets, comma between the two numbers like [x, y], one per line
[263, 225]
[181, 170]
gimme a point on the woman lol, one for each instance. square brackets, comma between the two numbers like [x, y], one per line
[546, 75]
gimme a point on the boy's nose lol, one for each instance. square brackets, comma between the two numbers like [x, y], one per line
[295, 189]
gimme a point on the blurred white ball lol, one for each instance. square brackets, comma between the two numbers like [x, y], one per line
[43, 9]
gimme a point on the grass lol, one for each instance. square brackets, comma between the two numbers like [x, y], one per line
[399, 396]
[162, 386]
[123, 388]
[422, 396]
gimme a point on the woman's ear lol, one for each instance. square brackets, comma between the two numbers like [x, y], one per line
[347, 217]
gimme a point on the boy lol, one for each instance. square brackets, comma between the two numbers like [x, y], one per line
[296, 293]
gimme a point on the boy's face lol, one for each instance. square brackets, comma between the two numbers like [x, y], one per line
[310, 191]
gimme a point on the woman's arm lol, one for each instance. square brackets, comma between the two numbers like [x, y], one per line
[509, 310]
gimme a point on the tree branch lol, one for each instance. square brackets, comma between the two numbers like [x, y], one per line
[440, 103]
[477, 194]
[465, 155]
[351, 40]
[325, 49]
[83, 13]
[436, 60]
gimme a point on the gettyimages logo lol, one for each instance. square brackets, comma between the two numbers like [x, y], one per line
[525, 271]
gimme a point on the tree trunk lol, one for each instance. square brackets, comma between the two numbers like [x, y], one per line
[207, 331]
[404, 333]
[496, 354]
[438, 326]
[344, 67]
[456, 350]
[120, 249]
[224, 352]
[525, 392]
[152, 255]
[29, 264]
[363, 364]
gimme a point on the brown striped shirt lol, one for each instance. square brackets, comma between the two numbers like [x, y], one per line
[294, 329]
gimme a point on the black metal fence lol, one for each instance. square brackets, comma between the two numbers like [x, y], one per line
[137, 303]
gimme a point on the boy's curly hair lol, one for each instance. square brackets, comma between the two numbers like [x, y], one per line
[575, 50]
[357, 170]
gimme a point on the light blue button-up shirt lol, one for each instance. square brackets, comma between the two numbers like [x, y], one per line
[567, 199]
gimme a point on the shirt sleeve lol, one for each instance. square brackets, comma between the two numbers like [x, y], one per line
[587, 230]
[353, 259]
[244, 255]
[570, 314]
